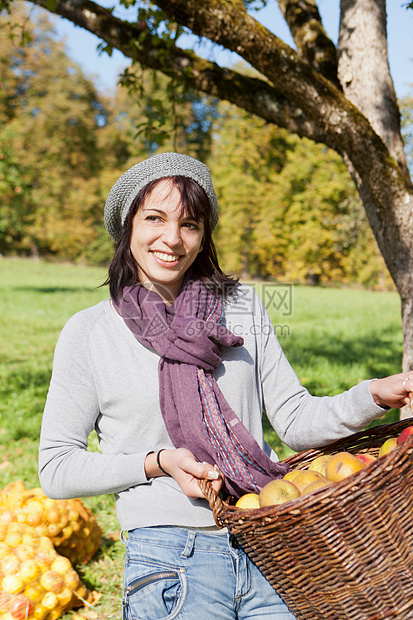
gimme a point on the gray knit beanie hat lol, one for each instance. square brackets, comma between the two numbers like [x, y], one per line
[159, 166]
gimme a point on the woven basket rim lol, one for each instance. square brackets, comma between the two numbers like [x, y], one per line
[225, 510]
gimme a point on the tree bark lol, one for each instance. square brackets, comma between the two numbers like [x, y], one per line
[364, 72]
[313, 44]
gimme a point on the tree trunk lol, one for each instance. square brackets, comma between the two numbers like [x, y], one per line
[364, 73]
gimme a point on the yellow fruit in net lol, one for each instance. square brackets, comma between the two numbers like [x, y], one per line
[65, 597]
[10, 563]
[45, 550]
[52, 581]
[61, 565]
[33, 513]
[39, 612]
[12, 584]
[36, 582]
[72, 579]
[7, 516]
[13, 539]
[26, 551]
[50, 601]
[35, 592]
[12, 495]
[29, 536]
[29, 571]
[70, 525]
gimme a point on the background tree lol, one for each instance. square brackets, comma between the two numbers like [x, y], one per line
[288, 207]
[15, 196]
[51, 113]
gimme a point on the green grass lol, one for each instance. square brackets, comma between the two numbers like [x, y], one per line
[335, 338]
[332, 337]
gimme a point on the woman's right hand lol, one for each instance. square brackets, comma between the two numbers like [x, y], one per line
[182, 465]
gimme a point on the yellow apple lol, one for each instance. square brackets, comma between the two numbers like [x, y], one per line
[317, 484]
[292, 474]
[319, 464]
[388, 446]
[342, 465]
[277, 492]
[306, 477]
[249, 500]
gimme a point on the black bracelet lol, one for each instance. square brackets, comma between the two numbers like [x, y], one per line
[158, 462]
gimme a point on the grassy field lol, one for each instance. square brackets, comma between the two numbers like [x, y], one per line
[332, 337]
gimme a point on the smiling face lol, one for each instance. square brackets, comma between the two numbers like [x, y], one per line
[164, 242]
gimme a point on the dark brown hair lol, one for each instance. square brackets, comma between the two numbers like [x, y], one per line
[123, 270]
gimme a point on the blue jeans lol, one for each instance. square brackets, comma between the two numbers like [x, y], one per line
[186, 574]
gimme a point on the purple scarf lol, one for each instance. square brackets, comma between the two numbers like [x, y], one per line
[189, 336]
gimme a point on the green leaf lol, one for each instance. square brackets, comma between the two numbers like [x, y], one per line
[51, 5]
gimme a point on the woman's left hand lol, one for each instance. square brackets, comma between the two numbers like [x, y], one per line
[186, 470]
[392, 391]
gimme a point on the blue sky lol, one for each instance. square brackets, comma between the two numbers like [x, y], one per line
[81, 45]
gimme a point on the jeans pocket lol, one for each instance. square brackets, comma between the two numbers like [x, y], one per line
[153, 593]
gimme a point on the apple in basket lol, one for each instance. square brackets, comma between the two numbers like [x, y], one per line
[405, 434]
[388, 446]
[314, 486]
[305, 478]
[342, 465]
[366, 458]
[277, 492]
[292, 474]
[319, 463]
[248, 501]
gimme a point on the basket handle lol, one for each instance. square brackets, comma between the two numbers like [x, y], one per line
[213, 498]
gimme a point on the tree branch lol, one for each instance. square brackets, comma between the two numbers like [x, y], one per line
[255, 95]
[346, 129]
[313, 44]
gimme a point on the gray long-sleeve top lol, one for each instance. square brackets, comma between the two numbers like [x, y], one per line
[104, 379]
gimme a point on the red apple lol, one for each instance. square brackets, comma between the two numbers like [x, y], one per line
[366, 458]
[405, 434]
[20, 607]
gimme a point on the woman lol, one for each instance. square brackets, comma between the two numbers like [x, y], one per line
[173, 373]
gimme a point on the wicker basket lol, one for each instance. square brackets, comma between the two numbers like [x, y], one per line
[344, 551]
